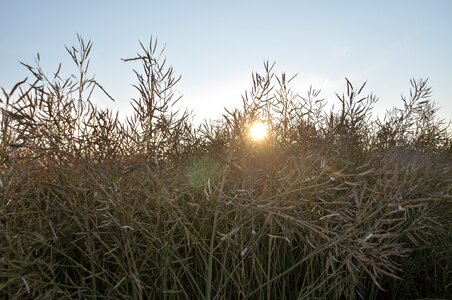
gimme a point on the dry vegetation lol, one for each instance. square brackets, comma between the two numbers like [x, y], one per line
[334, 205]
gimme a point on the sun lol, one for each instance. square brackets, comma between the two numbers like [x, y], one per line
[258, 131]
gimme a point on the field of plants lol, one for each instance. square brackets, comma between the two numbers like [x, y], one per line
[332, 203]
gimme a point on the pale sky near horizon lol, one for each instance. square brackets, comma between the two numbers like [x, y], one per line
[216, 46]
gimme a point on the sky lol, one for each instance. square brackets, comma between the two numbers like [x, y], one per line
[216, 45]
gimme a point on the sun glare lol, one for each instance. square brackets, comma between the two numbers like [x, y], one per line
[258, 131]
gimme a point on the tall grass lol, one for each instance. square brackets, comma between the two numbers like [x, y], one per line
[333, 205]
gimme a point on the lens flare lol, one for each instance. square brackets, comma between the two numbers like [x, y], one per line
[258, 131]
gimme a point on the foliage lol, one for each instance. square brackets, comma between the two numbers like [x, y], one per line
[334, 205]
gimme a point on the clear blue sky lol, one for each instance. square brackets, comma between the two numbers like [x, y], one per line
[215, 45]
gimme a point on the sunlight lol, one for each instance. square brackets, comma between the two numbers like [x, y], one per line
[258, 131]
